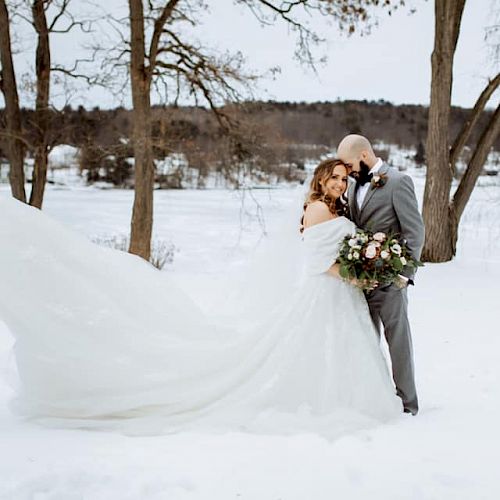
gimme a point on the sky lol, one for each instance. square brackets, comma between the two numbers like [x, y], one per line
[391, 63]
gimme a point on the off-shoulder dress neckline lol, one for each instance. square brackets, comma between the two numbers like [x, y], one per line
[325, 222]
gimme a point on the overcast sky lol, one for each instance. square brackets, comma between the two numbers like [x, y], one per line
[392, 63]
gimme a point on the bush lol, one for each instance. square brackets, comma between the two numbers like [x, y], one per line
[162, 252]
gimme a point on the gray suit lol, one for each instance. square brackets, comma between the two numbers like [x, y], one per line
[393, 208]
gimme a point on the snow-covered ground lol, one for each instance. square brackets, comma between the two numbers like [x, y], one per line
[449, 451]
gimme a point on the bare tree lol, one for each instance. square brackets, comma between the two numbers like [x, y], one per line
[441, 211]
[44, 29]
[42, 102]
[16, 147]
[170, 61]
[35, 13]
[140, 76]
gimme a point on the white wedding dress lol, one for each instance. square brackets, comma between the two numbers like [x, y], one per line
[105, 341]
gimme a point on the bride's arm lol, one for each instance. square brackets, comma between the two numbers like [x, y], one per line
[316, 213]
[335, 271]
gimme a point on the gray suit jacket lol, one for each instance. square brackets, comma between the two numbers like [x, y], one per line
[391, 208]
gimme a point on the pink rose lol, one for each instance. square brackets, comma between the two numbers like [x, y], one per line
[371, 251]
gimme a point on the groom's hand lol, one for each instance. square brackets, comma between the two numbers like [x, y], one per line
[366, 285]
[401, 281]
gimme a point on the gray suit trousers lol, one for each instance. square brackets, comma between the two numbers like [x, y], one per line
[389, 307]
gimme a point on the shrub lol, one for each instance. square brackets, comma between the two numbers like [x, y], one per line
[162, 252]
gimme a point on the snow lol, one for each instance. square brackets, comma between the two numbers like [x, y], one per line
[63, 155]
[449, 451]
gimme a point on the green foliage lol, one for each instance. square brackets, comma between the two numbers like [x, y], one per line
[344, 272]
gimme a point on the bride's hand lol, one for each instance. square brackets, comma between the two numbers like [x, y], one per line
[367, 285]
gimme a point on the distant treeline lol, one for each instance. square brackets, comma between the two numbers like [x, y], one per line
[267, 135]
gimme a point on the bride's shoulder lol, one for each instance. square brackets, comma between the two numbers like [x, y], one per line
[317, 206]
[316, 212]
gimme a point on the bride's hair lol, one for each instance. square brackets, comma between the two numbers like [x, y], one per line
[322, 173]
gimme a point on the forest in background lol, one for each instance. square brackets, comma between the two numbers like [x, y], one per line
[270, 139]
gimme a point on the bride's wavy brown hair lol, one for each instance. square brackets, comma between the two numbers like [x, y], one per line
[323, 173]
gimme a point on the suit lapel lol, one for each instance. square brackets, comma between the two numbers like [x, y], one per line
[371, 190]
[368, 196]
[353, 205]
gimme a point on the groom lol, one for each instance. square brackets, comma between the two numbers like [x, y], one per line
[383, 199]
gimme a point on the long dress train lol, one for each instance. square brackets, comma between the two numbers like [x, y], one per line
[105, 341]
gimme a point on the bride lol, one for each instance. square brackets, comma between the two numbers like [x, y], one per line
[104, 341]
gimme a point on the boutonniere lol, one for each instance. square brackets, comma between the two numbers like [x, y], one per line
[378, 180]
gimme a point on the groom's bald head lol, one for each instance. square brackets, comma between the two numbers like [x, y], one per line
[354, 144]
[354, 148]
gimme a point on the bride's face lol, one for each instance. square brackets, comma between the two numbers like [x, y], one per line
[336, 185]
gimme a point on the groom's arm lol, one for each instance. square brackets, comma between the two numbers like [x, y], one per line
[411, 223]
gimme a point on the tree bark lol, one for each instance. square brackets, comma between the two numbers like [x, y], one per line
[8, 84]
[42, 103]
[438, 245]
[142, 213]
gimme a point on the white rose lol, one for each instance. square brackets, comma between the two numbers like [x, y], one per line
[403, 261]
[352, 242]
[376, 178]
[384, 254]
[349, 257]
[396, 249]
[371, 251]
[356, 255]
[379, 236]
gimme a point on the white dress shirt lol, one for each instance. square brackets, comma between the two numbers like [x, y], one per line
[362, 190]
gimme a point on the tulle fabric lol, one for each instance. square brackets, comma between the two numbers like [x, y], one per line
[104, 341]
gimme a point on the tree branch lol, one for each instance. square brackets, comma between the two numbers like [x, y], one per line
[476, 163]
[58, 16]
[158, 29]
[19, 137]
[471, 122]
[96, 79]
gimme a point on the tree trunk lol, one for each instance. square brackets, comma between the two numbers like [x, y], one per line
[438, 246]
[142, 214]
[42, 103]
[8, 84]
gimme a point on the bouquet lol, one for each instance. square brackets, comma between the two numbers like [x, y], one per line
[373, 258]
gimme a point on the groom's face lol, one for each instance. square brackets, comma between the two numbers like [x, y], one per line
[351, 158]
[356, 163]
[353, 163]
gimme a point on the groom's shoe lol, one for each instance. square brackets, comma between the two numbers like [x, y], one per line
[408, 410]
